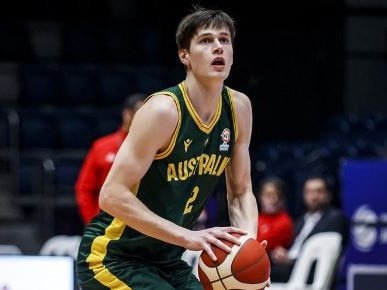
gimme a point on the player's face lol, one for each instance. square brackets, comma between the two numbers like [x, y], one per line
[211, 53]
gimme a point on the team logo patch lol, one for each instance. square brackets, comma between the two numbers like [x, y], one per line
[226, 136]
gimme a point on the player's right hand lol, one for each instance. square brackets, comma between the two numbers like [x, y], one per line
[203, 240]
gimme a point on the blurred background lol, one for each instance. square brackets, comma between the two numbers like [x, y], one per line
[315, 72]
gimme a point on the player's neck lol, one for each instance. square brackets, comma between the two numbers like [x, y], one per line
[206, 88]
[204, 98]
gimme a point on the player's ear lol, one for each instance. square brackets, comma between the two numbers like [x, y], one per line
[183, 56]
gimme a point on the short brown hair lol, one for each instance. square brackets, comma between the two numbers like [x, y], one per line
[202, 18]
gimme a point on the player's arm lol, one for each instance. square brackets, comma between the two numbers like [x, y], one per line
[242, 205]
[151, 131]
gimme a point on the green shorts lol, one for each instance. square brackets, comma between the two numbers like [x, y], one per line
[126, 275]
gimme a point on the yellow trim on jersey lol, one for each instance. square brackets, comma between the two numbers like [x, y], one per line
[234, 112]
[172, 143]
[99, 250]
[202, 126]
[98, 253]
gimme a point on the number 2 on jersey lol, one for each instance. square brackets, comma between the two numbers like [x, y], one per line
[190, 201]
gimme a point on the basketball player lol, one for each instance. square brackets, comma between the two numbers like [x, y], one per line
[181, 140]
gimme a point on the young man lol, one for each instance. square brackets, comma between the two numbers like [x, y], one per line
[99, 160]
[181, 140]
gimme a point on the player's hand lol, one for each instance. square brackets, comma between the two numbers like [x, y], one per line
[206, 238]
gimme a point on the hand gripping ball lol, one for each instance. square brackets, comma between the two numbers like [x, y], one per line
[246, 267]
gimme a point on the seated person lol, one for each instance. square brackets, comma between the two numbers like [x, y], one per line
[274, 223]
[320, 217]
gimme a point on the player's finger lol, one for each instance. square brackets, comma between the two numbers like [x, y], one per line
[231, 238]
[226, 234]
[264, 244]
[218, 243]
[211, 253]
[237, 230]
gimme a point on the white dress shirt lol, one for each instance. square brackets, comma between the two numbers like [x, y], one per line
[310, 221]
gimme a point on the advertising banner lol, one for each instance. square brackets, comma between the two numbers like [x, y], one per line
[364, 193]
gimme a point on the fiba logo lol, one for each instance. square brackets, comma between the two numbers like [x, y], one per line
[364, 230]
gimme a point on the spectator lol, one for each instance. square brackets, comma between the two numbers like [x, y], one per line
[320, 217]
[274, 223]
[99, 159]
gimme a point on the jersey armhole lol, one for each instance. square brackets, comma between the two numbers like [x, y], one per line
[233, 113]
[172, 143]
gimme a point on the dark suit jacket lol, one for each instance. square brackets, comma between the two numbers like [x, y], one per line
[332, 220]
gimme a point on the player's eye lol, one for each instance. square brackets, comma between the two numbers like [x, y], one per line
[205, 41]
[224, 40]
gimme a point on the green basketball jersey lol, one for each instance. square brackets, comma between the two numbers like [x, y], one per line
[176, 186]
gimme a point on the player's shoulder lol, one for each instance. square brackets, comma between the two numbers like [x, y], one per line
[241, 102]
[240, 97]
[160, 103]
[158, 118]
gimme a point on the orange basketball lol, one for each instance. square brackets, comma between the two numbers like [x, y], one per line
[246, 267]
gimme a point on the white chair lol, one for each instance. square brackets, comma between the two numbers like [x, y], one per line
[324, 248]
[61, 245]
[8, 249]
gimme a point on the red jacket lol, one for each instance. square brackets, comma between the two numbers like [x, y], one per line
[277, 229]
[93, 172]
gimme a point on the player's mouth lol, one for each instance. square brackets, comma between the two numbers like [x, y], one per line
[218, 62]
